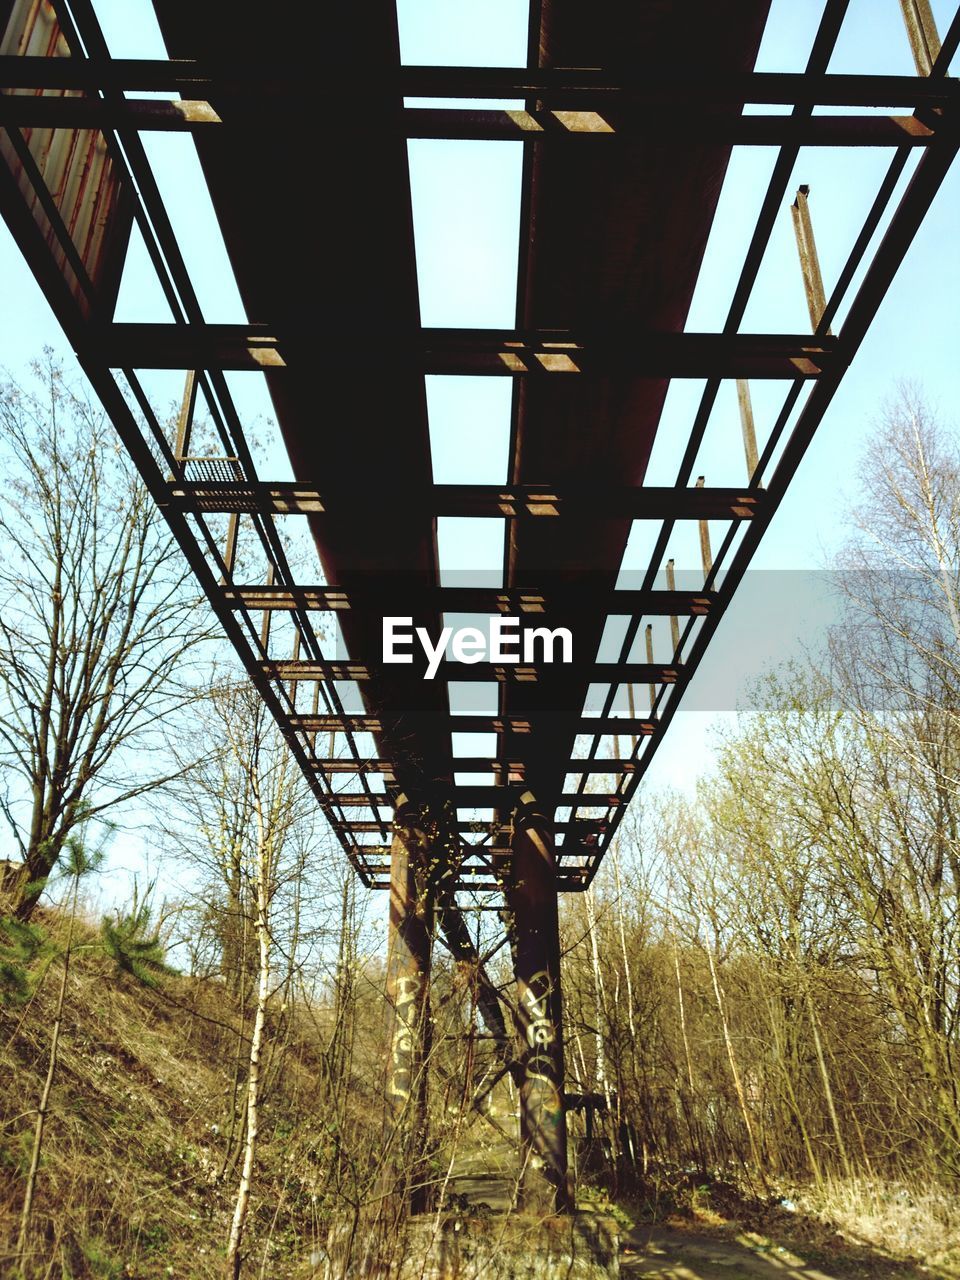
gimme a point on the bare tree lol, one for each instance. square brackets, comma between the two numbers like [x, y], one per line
[249, 823]
[98, 624]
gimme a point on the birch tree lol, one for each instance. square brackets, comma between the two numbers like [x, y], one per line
[255, 819]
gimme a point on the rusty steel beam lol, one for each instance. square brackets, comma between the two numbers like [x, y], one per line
[922, 34]
[809, 258]
[552, 127]
[747, 426]
[491, 797]
[531, 897]
[901, 230]
[588, 87]
[514, 725]
[142, 114]
[533, 603]
[516, 769]
[600, 672]
[480, 352]
[541, 127]
[572, 95]
[557, 86]
[477, 826]
[639, 502]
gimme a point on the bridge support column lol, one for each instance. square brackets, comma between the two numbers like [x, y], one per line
[409, 944]
[532, 901]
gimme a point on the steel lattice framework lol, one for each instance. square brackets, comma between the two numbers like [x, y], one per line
[566, 529]
[627, 115]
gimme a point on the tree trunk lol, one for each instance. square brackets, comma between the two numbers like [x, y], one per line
[234, 1259]
[47, 1089]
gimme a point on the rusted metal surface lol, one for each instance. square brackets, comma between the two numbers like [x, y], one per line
[571, 87]
[747, 427]
[613, 229]
[188, 405]
[65, 174]
[809, 258]
[541, 603]
[227, 492]
[550, 525]
[706, 554]
[922, 33]
[538, 127]
[561, 353]
[302, 671]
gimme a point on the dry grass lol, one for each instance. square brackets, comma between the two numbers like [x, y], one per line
[133, 1183]
[130, 1183]
[903, 1219]
[851, 1228]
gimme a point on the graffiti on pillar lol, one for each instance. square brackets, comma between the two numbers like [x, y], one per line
[405, 1029]
[542, 1037]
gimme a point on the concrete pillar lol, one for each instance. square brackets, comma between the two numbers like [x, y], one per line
[532, 901]
[409, 942]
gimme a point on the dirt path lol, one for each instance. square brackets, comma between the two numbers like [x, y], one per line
[669, 1253]
[673, 1253]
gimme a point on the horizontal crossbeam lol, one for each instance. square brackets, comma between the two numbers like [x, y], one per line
[511, 601]
[545, 126]
[481, 352]
[558, 86]
[480, 797]
[515, 769]
[581, 826]
[549, 127]
[599, 672]
[518, 724]
[509, 501]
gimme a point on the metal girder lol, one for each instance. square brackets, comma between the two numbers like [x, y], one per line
[600, 672]
[491, 797]
[541, 127]
[560, 104]
[480, 352]
[535, 502]
[558, 86]
[537, 604]
[580, 127]
[516, 769]
[922, 33]
[586, 826]
[516, 725]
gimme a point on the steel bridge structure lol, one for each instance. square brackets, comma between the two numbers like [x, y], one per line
[629, 116]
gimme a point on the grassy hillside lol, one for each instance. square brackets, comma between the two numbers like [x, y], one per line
[138, 1169]
[143, 1140]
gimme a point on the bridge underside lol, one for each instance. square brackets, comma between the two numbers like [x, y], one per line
[630, 116]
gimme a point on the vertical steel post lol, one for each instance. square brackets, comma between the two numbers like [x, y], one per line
[748, 427]
[185, 418]
[652, 686]
[632, 713]
[809, 259]
[922, 33]
[674, 621]
[230, 547]
[706, 554]
[267, 616]
[409, 942]
[532, 902]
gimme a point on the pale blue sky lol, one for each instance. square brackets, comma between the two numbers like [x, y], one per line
[466, 198]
